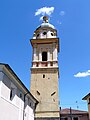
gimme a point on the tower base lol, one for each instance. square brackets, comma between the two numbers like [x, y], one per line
[55, 115]
[47, 118]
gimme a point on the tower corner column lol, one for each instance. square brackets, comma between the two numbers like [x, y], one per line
[48, 57]
[55, 55]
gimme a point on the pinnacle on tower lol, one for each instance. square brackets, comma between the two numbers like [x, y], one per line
[45, 19]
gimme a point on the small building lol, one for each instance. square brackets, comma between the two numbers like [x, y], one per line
[16, 102]
[87, 97]
[72, 114]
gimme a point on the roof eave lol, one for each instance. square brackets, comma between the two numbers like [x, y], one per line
[13, 73]
[85, 98]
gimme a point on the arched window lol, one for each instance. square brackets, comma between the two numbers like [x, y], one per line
[52, 34]
[44, 56]
[44, 33]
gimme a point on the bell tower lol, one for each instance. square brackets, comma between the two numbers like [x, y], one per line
[45, 71]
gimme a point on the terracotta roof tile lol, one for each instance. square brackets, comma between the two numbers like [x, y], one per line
[67, 111]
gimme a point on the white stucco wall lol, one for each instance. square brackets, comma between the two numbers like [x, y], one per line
[7, 110]
[10, 111]
[29, 113]
[13, 109]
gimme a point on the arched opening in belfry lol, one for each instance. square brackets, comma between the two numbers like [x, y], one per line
[44, 56]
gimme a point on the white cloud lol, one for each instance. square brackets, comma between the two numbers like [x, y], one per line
[44, 10]
[41, 18]
[83, 74]
[62, 13]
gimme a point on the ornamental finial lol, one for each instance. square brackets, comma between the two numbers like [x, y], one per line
[45, 19]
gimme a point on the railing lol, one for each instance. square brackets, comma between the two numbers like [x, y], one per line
[44, 63]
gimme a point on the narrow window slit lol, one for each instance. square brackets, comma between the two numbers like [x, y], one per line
[43, 76]
[38, 93]
[53, 93]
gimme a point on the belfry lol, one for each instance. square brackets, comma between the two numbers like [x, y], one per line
[45, 71]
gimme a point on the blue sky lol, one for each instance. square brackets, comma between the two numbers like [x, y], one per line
[71, 18]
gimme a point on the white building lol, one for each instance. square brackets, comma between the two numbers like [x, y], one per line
[16, 102]
[87, 97]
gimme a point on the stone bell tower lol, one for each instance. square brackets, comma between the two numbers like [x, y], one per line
[45, 71]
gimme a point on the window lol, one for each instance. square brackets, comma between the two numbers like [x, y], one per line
[65, 118]
[30, 104]
[20, 95]
[43, 76]
[44, 33]
[38, 93]
[52, 34]
[37, 35]
[89, 101]
[13, 90]
[12, 93]
[53, 93]
[75, 118]
[53, 100]
[44, 56]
